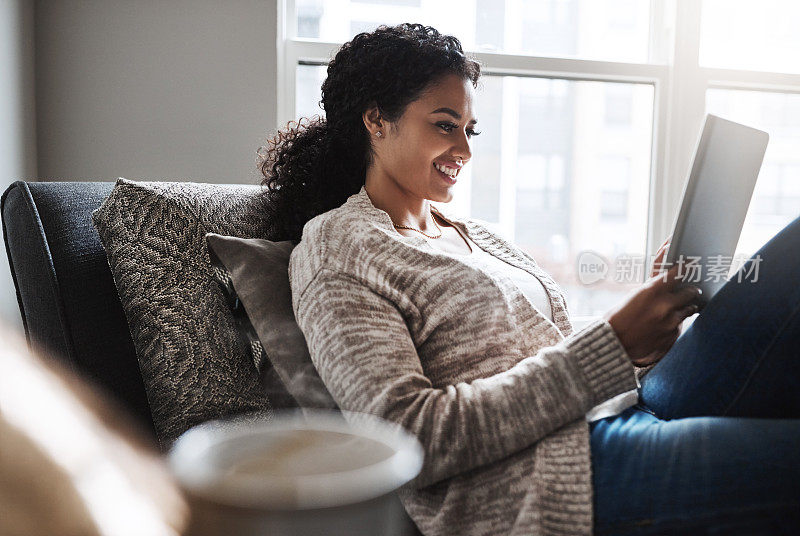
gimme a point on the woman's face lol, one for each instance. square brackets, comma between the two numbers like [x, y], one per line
[432, 135]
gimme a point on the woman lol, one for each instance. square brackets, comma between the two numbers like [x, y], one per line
[439, 324]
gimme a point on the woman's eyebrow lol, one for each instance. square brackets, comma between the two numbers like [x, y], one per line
[452, 112]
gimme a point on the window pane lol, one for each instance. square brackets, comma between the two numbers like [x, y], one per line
[743, 34]
[308, 90]
[617, 30]
[775, 198]
[557, 178]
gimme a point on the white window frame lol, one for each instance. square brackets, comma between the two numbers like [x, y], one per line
[680, 87]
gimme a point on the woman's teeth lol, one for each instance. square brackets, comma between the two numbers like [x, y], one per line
[448, 171]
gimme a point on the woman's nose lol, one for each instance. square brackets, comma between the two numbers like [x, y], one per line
[462, 148]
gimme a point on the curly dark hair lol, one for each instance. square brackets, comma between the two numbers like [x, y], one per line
[315, 164]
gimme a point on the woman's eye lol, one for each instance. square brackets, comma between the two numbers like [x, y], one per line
[448, 127]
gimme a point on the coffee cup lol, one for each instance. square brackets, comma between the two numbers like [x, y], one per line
[292, 472]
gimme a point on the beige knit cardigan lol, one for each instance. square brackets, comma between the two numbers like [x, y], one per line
[496, 392]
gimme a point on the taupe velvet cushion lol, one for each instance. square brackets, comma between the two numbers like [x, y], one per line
[256, 274]
[193, 363]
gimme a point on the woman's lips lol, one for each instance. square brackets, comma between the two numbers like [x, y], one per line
[447, 178]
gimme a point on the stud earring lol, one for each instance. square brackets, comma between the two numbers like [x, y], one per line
[379, 133]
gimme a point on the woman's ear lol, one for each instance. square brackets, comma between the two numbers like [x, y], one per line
[373, 120]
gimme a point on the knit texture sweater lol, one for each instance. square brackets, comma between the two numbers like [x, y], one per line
[533, 289]
[495, 392]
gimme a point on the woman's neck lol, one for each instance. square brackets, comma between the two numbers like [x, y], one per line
[403, 207]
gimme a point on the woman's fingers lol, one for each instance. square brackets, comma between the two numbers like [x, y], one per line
[677, 303]
[663, 247]
[668, 280]
[683, 313]
[657, 262]
[685, 296]
[688, 311]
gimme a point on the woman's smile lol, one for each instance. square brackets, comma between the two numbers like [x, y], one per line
[447, 174]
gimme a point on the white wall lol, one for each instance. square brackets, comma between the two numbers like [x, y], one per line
[17, 123]
[143, 89]
[154, 89]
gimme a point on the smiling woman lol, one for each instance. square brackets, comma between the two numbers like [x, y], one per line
[440, 325]
[371, 82]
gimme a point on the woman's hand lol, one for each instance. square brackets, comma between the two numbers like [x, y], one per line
[648, 322]
[656, 269]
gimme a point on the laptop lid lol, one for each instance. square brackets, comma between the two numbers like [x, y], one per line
[716, 197]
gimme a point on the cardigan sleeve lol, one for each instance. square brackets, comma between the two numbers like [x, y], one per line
[363, 351]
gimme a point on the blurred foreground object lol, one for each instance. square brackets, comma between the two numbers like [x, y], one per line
[71, 462]
[295, 473]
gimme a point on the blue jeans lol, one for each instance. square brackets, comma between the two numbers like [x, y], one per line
[713, 447]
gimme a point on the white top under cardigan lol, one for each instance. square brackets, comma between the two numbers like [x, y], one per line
[533, 289]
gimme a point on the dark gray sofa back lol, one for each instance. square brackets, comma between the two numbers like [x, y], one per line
[67, 298]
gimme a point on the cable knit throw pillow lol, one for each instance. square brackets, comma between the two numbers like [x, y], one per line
[254, 273]
[193, 363]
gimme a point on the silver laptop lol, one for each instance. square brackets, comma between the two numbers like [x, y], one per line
[716, 196]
